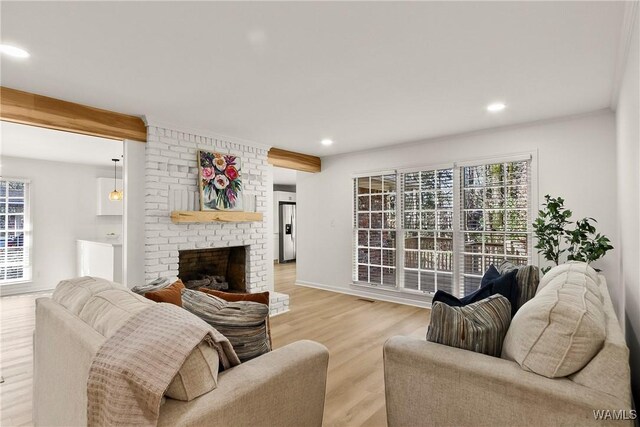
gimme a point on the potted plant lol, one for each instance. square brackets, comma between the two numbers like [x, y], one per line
[582, 242]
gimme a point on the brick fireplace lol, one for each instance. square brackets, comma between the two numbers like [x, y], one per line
[170, 169]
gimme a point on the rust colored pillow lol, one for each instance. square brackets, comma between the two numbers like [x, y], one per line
[171, 294]
[261, 297]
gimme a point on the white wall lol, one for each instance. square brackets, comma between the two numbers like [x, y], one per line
[133, 233]
[576, 160]
[628, 142]
[63, 209]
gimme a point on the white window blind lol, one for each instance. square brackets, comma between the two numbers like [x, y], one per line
[427, 229]
[495, 218]
[375, 229]
[14, 241]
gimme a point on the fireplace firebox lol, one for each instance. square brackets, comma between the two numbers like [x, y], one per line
[218, 265]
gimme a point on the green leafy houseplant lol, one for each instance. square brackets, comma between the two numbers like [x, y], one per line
[550, 228]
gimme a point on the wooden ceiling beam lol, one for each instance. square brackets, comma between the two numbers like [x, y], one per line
[292, 160]
[37, 110]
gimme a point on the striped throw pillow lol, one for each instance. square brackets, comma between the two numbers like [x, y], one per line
[243, 323]
[479, 327]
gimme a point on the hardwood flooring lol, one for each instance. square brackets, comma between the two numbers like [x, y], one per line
[353, 330]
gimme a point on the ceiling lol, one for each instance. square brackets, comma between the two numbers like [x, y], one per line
[290, 74]
[46, 144]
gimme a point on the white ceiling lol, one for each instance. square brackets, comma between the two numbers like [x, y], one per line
[290, 74]
[45, 144]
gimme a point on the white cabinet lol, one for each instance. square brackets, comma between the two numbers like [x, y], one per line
[100, 259]
[106, 206]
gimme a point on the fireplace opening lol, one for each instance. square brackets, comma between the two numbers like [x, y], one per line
[214, 268]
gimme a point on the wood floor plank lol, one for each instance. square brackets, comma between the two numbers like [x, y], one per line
[353, 330]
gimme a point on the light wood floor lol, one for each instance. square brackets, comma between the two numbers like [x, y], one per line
[352, 329]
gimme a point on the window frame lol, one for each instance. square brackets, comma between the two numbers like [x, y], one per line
[457, 250]
[27, 233]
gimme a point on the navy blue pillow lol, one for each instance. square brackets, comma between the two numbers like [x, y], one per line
[492, 273]
[505, 285]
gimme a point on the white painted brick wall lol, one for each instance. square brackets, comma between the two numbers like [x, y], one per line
[171, 164]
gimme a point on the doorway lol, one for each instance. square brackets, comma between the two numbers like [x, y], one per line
[63, 208]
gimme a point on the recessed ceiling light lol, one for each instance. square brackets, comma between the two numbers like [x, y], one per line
[496, 106]
[13, 51]
[326, 142]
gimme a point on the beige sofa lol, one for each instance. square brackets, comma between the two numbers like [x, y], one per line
[429, 384]
[285, 387]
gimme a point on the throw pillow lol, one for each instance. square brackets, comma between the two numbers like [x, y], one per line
[478, 327]
[170, 294]
[562, 328]
[528, 278]
[242, 322]
[505, 285]
[506, 266]
[259, 297]
[492, 273]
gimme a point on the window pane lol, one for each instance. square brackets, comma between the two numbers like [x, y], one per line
[389, 202]
[473, 176]
[427, 240]
[363, 273]
[470, 284]
[410, 201]
[473, 220]
[427, 281]
[375, 256]
[411, 259]
[427, 260]
[445, 220]
[495, 174]
[376, 184]
[363, 203]
[516, 244]
[428, 220]
[428, 200]
[494, 220]
[363, 255]
[445, 283]
[473, 265]
[445, 199]
[494, 198]
[376, 220]
[389, 183]
[517, 220]
[376, 202]
[389, 258]
[389, 276]
[375, 239]
[445, 178]
[517, 197]
[411, 220]
[375, 275]
[428, 180]
[412, 181]
[390, 220]
[473, 242]
[3, 188]
[363, 238]
[411, 240]
[411, 279]
[363, 185]
[473, 198]
[363, 220]
[388, 239]
[444, 261]
[518, 173]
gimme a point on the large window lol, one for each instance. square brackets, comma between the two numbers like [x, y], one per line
[428, 230]
[14, 250]
[375, 229]
[495, 218]
[453, 222]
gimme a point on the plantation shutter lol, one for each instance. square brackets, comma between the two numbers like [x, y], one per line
[494, 202]
[14, 236]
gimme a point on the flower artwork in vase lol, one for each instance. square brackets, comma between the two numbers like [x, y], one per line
[220, 182]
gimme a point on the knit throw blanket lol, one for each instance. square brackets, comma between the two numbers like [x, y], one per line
[133, 368]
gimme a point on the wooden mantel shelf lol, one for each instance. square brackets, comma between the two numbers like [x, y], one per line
[179, 217]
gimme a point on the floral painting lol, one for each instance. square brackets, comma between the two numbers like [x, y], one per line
[220, 181]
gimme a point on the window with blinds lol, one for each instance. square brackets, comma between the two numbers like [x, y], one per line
[453, 222]
[428, 230]
[14, 250]
[375, 229]
[494, 219]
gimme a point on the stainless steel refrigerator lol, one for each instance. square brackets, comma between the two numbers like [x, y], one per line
[287, 232]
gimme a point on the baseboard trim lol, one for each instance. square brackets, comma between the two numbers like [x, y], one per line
[371, 294]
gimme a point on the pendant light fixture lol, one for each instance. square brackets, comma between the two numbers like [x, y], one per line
[115, 195]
